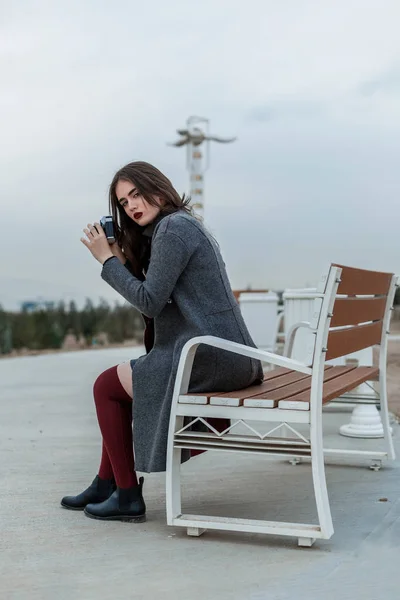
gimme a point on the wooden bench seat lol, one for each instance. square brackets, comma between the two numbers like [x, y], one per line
[287, 389]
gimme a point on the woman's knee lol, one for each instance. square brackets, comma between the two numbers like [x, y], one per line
[108, 384]
[103, 381]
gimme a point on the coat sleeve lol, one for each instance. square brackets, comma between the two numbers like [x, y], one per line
[169, 257]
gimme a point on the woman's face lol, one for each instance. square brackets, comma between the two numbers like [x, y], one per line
[135, 205]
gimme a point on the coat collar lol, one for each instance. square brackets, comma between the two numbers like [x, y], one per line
[149, 229]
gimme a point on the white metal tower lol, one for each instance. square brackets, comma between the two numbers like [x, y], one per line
[193, 137]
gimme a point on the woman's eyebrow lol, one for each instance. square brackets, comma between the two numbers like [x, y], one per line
[133, 190]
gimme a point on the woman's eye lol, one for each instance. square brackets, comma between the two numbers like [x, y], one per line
[136, 195]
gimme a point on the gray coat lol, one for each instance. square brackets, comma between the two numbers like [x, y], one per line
[188, 294]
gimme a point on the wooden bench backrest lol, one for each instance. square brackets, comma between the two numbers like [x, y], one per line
[358, 316]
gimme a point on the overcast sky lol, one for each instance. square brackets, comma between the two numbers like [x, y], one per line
[311, 89]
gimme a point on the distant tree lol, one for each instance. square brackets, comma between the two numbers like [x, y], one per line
[89, 321]
[48, 332]
[45, 328]
[102, 314]
[23, 328]
[73, 320]
[6, 343]
[61, 317]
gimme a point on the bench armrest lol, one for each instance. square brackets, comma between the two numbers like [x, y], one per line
[189, 351]
[275, 359]
[291, 334]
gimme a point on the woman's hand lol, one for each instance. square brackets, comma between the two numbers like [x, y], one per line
[97, 242]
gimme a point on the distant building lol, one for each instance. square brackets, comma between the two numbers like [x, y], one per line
[30, 306]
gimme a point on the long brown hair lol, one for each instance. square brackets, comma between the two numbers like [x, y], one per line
[148, 181]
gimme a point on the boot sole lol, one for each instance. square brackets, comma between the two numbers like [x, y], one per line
[72, 507]
[123, 518]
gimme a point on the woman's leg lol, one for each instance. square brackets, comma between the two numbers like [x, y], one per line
[114, 413]
[113, 399]
[124, 372]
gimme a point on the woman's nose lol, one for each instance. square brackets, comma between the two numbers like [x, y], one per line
[132, 204]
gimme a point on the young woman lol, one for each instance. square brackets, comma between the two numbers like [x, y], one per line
[168, 267]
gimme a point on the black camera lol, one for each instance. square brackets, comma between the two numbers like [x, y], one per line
[107, 224]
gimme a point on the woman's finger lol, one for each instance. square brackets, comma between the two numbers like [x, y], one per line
[99, 229]
[90, 236]
[85, 242]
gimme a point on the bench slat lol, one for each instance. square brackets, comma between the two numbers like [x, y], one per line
[302, 385]
[359, 282]
[259, 392]
[341, 384]
[273, 380]
[260, 403]
[346, 341]
[235, 437]
[271, 399]
[266, 447]
[204, 397]
[268, 393]
[194, 399]
[351, 311]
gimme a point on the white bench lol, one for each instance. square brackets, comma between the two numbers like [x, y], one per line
[352, 312]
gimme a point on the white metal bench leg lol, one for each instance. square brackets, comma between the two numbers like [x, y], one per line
[319, 480]
[306, 542]
[387, 432]
[375, 465]
[195, 531]
[173, 479]
[382, 381]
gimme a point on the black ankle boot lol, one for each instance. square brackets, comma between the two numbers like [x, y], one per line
[98, 491]
[124, 505]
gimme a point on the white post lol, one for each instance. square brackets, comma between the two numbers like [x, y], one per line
[299, 306]
[365, 421]
[260, 313]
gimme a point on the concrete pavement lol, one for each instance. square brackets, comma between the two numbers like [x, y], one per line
[50, 446]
